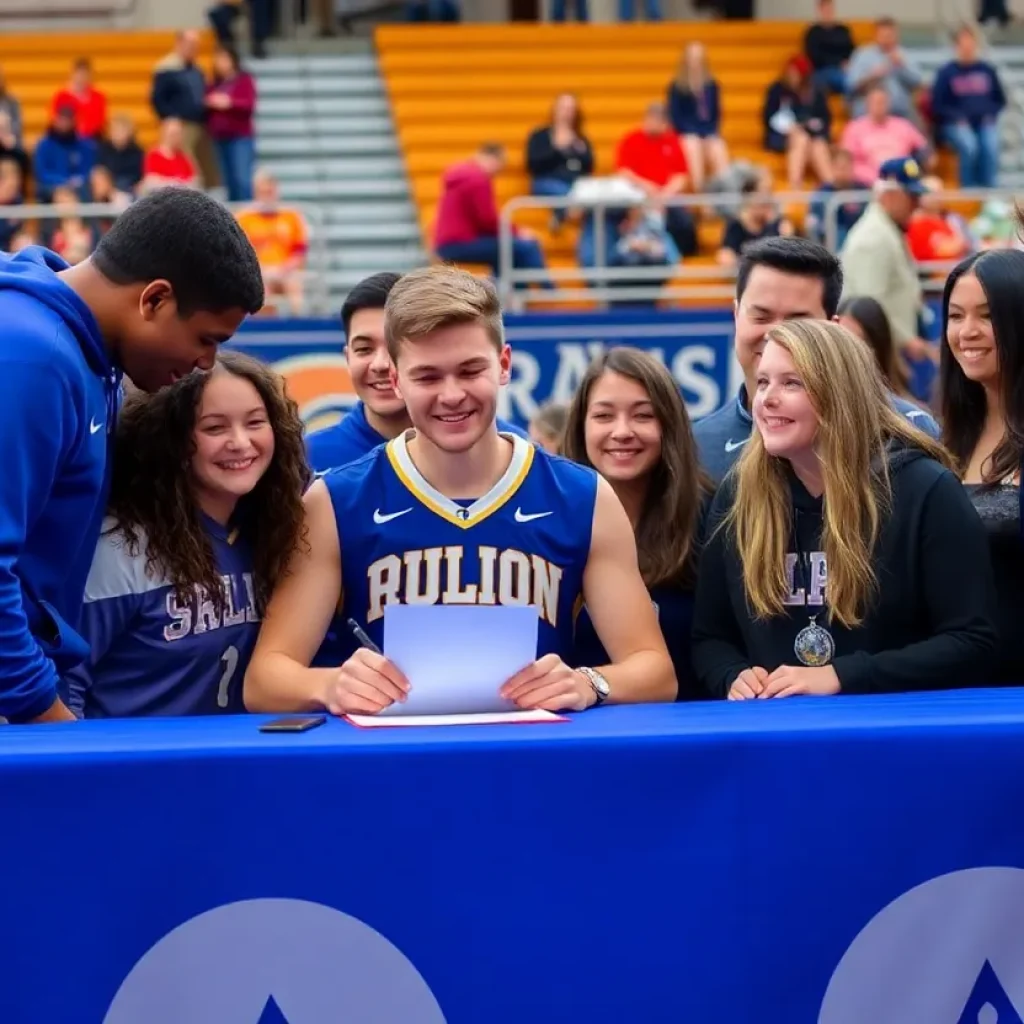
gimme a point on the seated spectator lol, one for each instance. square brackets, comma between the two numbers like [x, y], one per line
[757, 218]
[935, 233]
[798, 122]
[63, 157]
[828, 45]
[642, 240]
[652, 159]
[558, 153]
[995, 227]
[695, 113]
[22, 239]
[846, 214]
[103, 191]
[967, 99]
[122, 156]
[280, 236]
[11, 149]
[231, 105]
[10, 106]
[466, 230]
[73, 239]
[167, 163]
[88, 102]
[547, 426]
[11, 191]
[883, 63]
[879, 136]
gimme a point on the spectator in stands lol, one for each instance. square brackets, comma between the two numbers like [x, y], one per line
[798, 122]
[179, 91]
[864, 317]
[883, 63]
[628, 421]
[652, 159]
[828, 45]
[11, 149]
[63, 157]
[877, 260]
[936, 233]
[73, 240]
[280, 236]
[168, 162]
[843, 555]
[580, 8]
[222, 18]
[695, 113]
[757, 218]
[994, 10]
[231, 106]
[434, 11]
[466, 230]
[11, 193]
[879, 136]
[642, 240]
[547, 426]
[558, 153]
[967, 99]
[88, 102]
[846, 214]
[10, 106]
[627, 10]
[122, 156]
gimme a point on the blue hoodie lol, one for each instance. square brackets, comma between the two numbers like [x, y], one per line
[58, 407]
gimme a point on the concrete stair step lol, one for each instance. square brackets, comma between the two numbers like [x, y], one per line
[358, 168]
[335, 86]
[316, 191]
[316, 65]
[377, 257]
[303, 126]
[387, 230]
[324, 106]
[319, 145]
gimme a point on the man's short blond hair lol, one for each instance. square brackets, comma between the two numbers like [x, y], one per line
[430, 299]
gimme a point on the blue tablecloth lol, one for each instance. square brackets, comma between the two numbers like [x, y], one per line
[682, 863]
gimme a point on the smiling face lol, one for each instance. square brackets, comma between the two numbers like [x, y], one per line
[782, 409]
[969, 333]
[370, 365]
[449, 381]
[234, 441]
[621, 431]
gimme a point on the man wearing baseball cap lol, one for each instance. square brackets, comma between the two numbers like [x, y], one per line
[876, 258]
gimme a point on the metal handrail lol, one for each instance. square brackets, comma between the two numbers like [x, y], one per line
[317, 265]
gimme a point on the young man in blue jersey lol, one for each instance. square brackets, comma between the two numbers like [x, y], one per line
[172, 279]
[454, 512]
[778, 279]
[380, 414]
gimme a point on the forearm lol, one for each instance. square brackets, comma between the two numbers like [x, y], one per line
[643, 677]
[275, 683]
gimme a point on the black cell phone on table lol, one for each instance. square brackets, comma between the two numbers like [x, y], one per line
[294, 723]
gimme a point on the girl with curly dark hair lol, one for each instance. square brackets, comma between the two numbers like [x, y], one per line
[205, 510]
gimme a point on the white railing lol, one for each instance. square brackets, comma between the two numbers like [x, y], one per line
[316, 297]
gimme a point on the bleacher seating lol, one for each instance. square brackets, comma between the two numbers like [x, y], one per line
[453, 87]
[35, 66]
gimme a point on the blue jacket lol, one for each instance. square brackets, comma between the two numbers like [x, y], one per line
[58, 407]
[967, 92]
[695, 115]
[57, 160]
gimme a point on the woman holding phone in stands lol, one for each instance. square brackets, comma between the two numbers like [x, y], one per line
[843, 556]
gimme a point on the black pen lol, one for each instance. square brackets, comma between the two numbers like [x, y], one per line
[360, 634]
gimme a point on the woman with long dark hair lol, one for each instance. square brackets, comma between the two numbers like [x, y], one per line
[866, 318]
[628, 421]
[205, 510]
[981, 377]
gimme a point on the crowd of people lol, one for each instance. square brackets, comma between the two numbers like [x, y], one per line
[174, 545]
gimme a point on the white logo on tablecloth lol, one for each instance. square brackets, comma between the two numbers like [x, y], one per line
[274, 961]
[950, 951]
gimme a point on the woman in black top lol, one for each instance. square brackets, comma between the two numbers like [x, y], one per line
[797, 122]
[558, 153]
[982, 384]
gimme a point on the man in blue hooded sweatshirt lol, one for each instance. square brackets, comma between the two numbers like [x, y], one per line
[172, 279]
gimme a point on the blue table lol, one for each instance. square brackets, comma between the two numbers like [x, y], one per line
[697, 864]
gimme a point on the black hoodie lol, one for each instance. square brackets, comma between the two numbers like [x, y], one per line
[930, 626]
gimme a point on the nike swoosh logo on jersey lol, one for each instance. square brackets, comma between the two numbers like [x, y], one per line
[731, 445]
[95, 427]
[521, 518]
[379, 517]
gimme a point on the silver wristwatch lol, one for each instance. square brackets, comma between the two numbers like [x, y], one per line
[601, 688]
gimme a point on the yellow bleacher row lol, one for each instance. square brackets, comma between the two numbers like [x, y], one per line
[453, 87]
[36, 65]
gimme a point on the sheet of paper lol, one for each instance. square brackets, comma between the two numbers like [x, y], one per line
[496, 718]
[456, 657]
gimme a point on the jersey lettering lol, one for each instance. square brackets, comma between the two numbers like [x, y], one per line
[198, 616]
[436, 576]
[816, 579]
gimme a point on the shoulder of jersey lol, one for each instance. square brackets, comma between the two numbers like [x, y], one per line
[353, 470]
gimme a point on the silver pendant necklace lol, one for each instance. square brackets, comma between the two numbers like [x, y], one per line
[813, 646]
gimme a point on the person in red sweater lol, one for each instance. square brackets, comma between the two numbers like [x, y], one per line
[88, 102]
[466, 230]
[167, 163]
[230, 104]
[651, 158]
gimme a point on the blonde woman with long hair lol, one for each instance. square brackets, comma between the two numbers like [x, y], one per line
[844, 554]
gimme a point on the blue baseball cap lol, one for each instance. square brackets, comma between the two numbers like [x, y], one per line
[904, 172]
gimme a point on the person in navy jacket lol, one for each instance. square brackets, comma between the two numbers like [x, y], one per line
[967, 99]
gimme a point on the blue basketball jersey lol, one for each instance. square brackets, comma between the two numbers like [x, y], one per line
[152, 654]
[524, 542]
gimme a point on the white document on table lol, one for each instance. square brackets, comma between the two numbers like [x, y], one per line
[494, 718]
[457, 657]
